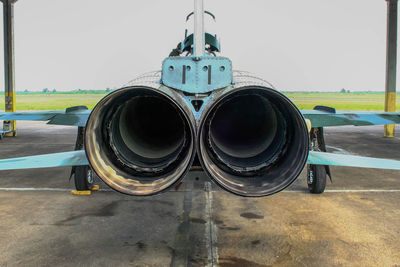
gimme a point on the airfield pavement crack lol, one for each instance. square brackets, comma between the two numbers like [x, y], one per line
[211, 229]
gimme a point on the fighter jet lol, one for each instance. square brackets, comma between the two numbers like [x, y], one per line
[245, 134]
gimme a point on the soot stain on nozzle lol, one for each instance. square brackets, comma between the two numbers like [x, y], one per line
[247, 133]
[262, 161]
[164, 154]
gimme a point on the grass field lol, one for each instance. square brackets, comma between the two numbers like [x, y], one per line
[342, 101]
[304, 100]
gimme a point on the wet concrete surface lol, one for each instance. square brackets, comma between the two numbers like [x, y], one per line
[354, 223]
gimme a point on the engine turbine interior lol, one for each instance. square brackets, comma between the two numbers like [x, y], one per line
[139, 140]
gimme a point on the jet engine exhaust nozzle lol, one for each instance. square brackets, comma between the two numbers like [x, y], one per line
[139, 140]
[253, 141]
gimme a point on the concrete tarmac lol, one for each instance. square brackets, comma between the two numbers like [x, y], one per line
[354, 223]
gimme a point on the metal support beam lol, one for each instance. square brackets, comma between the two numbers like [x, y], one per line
[391, 63]
[9, 69]
[199, 34]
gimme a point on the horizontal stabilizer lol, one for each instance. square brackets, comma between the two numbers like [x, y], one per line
[357, 118]
[29, 115]
[58, 117]
[323, 158]
[73, 158]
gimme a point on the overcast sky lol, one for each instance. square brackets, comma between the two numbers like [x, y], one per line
[319, 45]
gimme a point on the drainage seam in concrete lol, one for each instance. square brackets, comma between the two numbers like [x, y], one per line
[182, 247]
[211, 229]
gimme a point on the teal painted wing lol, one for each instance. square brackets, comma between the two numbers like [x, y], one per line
[76, 118]
[76, 158]
[323, 158]
[64, 159]
[317, 118]
[356, 118]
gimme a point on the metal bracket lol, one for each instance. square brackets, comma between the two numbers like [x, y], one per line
[9, 102]
[78, 146]
[317, 138]
[7, 128]
[318, 144]
[197, 74]
[211, 40]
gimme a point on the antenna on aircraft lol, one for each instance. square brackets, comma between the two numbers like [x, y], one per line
[197, 42]
[199, 34]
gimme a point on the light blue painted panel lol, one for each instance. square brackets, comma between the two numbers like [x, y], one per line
[73, 158]
[323, 158]
[77, 118]
[70, 119]
[357, 118]
[197, 74]
[30, 116]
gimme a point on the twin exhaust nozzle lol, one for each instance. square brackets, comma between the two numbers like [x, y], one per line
[251, 140]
